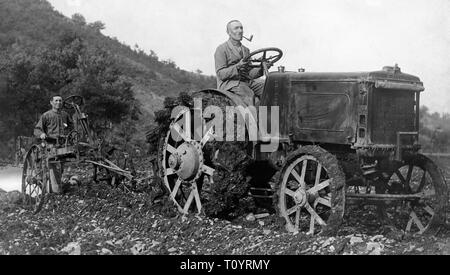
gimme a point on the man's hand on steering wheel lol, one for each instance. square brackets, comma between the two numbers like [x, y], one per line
[269, 65]
[264, 58]
[243, 65]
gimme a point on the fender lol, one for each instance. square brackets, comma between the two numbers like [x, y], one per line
[234, 98]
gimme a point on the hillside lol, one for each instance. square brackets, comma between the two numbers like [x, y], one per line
[33, 24]
[435, 131]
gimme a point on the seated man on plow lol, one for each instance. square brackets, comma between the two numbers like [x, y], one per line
[233, 71]
[52, 126]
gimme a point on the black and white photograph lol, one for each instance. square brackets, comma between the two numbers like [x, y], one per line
[244, 129]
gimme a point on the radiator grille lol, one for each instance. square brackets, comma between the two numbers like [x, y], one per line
[393, 111]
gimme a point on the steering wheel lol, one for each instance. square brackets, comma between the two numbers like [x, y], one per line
[258, 59]
[71, 101]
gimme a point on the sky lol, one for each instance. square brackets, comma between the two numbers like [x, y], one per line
[318, 35]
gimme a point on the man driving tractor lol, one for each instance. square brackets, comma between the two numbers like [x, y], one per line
[233, 71]
[53, 125]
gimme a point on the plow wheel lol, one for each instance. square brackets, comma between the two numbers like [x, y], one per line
[418, 176]
[35, 179]
[310, 192]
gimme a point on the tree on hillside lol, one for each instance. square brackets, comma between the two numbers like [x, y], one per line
[72, 68]
[79, 19]
[434, 131]
[97, 26]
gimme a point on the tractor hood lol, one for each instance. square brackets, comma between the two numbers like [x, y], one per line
[387, 78]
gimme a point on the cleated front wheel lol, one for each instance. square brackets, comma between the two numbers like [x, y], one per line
[311, 192]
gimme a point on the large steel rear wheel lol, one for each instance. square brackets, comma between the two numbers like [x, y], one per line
[184, 170]
[311, 192]
[206, 175]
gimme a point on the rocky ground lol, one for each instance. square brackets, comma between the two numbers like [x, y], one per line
[98, 219]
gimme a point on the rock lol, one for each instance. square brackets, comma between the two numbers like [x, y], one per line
[106, 251]
[374, 248]
[119, 242]
[261, 223]
[341, 246]
[305, 251]
[74, 180]
[109, 243]
[267, 232]
[172, 250]
[331, 249]
[393, 233]
[328, 242]
[377, 238]
[137, 248]
[445, 248]
[262, 216]
[420, 250]
[250, 218]
[155, 243]
[72, 249]
[356, 240]
[410, 249]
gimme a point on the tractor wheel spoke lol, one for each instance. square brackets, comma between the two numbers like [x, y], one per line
[315, 215]
[318, 174]
[429, 210]
[171, 149]
[197, 197]
[297, 219]
[188, 202]
[176, 188]
[305, 166]
[422, 181]
[293, 210]
[400, 176]
[209, 136]
[408, 177]
[208, 170]
[180, 132]
[290, 193]
[417, 221]
[324, 202]
[319, 187]
[312, 225]
[170, 171]
[301, 179]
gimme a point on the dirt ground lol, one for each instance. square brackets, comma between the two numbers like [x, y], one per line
[97, 219]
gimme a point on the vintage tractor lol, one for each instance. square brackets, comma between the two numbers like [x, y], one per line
[344, 138]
